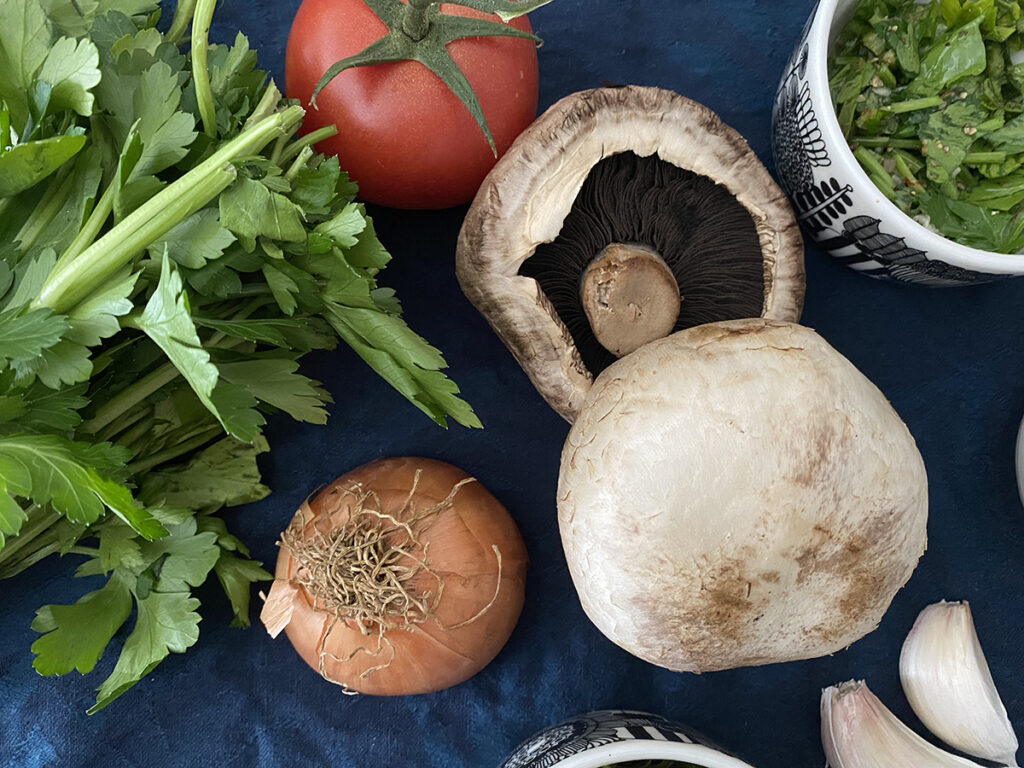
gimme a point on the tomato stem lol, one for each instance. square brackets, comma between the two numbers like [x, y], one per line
[415, 23]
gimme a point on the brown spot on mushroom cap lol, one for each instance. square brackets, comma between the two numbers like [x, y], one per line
[527, 196]
[757, 500]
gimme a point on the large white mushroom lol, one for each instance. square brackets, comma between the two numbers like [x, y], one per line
[739, 494]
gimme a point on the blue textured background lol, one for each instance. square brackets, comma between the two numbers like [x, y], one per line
[951, 362]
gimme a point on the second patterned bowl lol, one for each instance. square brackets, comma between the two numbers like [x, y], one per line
[614, 737]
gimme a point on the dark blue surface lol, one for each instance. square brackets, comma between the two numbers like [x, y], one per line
[952, 363]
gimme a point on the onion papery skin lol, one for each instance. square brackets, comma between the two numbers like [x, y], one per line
[428, 657]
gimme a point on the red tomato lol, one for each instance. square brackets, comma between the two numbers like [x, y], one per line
[402, 135]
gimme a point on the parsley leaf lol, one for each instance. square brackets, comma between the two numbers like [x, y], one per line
[71, 68]
[24, 165]
[75, 635]
[224, 474]
[25, 38]
[957, 54]
[186, 557]
[195, 241]
[276, 381]
[29, 334]
[72, 476]
[166, 320]
[40, 409]
[236, 576]
[165, 623]
[250, 210]
[12, 516]
[403, 359]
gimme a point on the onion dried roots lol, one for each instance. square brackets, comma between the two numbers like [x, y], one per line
[364, 567]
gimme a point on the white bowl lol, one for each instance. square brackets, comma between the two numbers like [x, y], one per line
[1020, 462]
[614, 736]
[835, 201]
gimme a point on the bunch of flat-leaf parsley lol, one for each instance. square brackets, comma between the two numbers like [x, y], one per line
[168, 251]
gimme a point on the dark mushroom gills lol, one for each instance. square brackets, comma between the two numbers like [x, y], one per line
[620, 216]
[694, 226]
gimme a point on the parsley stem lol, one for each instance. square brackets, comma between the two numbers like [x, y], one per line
[182, 16]
[299, 163]
[114, 432]
[53, 200]
[886, 142]
[275, 155]
[73, 281]
[308, 140]
[200, 74]
[217, 339]
[39, 519]
[254, 289]
[49, 542]
[79, 550]
[983, 158]
[904, 170]
[881, 177]
[44, 548]
[93, 225]
[912, 105]
[138, 427]
[266, 106]
[130, 397]
[175, 452]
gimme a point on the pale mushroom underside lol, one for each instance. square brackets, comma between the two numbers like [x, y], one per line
[526, 197]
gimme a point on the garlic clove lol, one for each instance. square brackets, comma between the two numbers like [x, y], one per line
[948, 684]
[858, 731]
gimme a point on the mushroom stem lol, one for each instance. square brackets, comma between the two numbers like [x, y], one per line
[630, 297]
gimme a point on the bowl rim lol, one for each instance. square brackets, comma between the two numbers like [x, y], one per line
[622, 751]
[943, 248]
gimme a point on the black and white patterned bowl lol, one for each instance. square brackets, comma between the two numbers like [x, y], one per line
[615, 736]
[835, 201]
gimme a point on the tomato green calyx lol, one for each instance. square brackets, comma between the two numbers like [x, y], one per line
[416, 19]
[418, 31]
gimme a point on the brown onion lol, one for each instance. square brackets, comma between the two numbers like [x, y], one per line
[403, 576]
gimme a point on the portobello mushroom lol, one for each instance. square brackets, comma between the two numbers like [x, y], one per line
[620, 216]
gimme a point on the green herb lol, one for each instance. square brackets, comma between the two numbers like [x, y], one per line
[930, 100]
[168, 252]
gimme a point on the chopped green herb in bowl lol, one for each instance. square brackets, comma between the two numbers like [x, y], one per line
[930, 98]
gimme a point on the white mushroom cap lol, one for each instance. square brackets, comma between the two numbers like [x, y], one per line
[525, 199]
[739, 494]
